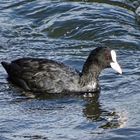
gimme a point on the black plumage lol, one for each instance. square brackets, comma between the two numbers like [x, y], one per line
[48, 76]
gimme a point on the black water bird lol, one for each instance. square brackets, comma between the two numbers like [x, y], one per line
[48, 76]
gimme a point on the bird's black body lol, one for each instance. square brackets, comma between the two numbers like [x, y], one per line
[48, 76]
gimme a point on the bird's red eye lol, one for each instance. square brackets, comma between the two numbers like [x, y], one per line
[107, 56]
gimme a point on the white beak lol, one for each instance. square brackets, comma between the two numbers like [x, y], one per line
[114, 65]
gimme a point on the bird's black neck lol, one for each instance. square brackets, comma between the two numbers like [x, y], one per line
[91, 71]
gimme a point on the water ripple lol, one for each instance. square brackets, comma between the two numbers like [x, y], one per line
[67, 30]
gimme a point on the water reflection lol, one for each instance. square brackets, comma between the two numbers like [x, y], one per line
[108, 119]
[93, 109]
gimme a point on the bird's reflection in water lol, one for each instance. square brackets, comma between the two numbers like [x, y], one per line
[107, 119]
[93, 110]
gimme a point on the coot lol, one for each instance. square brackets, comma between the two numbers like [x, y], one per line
[48, 76]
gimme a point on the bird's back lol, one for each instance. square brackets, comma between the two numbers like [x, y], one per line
[42, 75]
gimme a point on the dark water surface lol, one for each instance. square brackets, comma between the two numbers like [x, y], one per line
[66, 31]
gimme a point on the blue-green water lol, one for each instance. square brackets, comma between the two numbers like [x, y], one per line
[66, 31]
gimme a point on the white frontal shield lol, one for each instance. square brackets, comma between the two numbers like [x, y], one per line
[114, 65]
